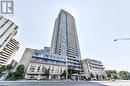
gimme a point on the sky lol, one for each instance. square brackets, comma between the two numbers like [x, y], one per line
[98, 23]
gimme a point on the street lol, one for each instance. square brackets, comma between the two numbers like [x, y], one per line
[49, 83]
[64, 83]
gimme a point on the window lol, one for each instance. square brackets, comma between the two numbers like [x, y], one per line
[52, 69]
[34, 59]
[60, 70]
[36, 53]
[46, 56]
[43, 69]
[32, 68]
[38, 68]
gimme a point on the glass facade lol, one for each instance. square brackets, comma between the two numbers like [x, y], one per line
[42, 61]
[65, 40]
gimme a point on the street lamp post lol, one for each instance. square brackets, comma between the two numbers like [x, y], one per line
[122, 39]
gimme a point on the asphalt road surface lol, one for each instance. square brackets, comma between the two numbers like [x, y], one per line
[64, 83]
[49, 83]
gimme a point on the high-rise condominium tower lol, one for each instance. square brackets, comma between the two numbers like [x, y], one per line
[8, 45]
[65, 39]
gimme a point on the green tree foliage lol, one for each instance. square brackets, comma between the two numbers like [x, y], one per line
[125, 75]
[2, 68]
[20, 71]
[112, 74]
[9, 67]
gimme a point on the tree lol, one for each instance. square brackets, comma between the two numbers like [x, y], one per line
[112, 74]
[2, 68]
[9, 67]
[20, 71]
[125, 75]
[108, 72]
